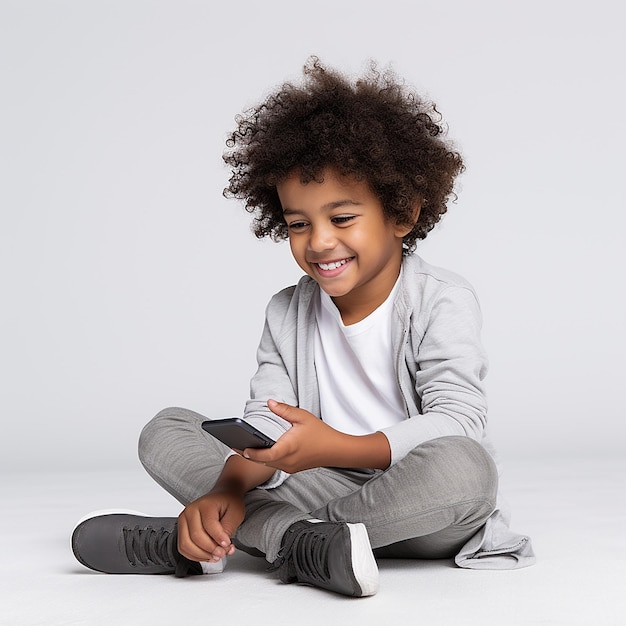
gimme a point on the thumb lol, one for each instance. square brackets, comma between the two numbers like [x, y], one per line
[230, 522]
[286, 411]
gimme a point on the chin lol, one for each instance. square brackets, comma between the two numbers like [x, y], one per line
[335, 293]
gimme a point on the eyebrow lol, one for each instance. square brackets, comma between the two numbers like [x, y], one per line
[326, 207]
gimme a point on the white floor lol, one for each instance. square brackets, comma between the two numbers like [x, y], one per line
[575, 512]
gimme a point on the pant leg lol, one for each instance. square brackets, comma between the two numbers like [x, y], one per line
[425, 506]
[186, 461]
[181, 457]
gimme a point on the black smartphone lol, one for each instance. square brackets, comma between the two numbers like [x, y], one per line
[237, 434]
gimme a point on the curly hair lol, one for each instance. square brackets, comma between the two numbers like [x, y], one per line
[374, 129]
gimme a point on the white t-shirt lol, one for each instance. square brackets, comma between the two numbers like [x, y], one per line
[359, 392]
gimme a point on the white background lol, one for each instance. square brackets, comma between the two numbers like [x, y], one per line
[129, 283]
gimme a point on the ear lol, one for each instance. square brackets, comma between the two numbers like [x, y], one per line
[404, 229]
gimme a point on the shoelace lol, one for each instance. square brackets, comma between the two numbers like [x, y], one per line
[310, 558]
[157, 546]
[149, 546]
[304, 555]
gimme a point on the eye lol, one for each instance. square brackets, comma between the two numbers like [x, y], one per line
[340, 220]
[297, 226]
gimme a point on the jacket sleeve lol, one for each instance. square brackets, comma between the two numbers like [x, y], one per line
[272, 379]
[449, 365]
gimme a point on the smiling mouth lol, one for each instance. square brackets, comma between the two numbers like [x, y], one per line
[330, 269]
[333, 265]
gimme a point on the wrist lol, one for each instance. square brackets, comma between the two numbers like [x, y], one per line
[241, 475]
[371, 451]
[232, 486]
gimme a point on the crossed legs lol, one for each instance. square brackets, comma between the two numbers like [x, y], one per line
[425, 506]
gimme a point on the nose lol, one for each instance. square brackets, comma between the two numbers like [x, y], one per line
[321, 238]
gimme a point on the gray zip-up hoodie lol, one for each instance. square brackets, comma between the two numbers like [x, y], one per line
[440, 367]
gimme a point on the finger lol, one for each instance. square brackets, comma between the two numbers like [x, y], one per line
[286, 411]
[262, 455]
[218, 534]
[230, 521]
[193, 542]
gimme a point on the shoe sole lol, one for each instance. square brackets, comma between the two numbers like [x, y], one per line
[108, 512]
[363, 562]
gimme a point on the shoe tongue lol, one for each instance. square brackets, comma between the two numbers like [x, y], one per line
[310, 556]
[150, 546]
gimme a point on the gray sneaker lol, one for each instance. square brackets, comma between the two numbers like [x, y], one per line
[128, 543]
[331, 555]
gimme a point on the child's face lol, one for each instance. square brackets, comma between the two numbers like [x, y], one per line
[340, 237]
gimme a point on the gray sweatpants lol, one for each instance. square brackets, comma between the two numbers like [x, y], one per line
[425, 506]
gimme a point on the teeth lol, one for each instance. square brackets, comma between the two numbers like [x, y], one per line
[332, 266]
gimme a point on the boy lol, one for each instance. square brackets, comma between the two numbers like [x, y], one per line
[370, 370]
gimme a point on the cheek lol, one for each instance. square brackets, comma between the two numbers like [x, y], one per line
[293, 246]
[362, 241]
[297, 251]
